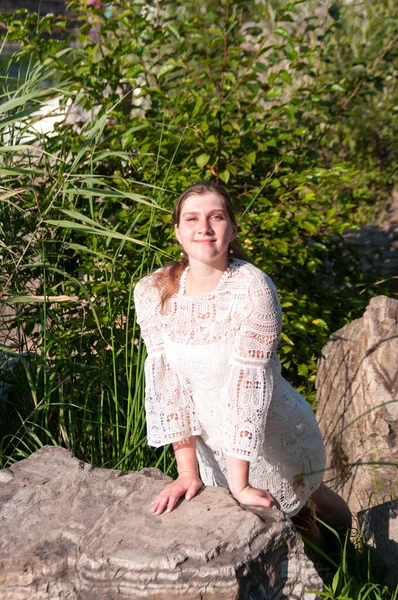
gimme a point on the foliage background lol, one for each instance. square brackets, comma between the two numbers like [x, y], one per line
[292, 105]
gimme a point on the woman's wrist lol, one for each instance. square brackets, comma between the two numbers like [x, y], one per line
[236, 490]
[185, 453]
[238, 474]
[192, 471]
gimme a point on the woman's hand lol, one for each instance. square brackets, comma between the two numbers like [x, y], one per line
[255, 497]
[187, 483]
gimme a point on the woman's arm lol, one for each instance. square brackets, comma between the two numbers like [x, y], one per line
[247, 394]
[169, 408]
[238, 481]
[188, 482]
[249, 388]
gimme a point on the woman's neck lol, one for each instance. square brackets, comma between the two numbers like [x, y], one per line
[202, 278]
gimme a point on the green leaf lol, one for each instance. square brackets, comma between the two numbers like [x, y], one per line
[308, 226]
[320, 323]
[290, 110]
[282, 32]
[336, 87]
[331, 212]
[335, 582]
[290, 52]
[261, 67]
[311, 266]
[41, 299]
[163, 71]
[334, 12]
[202, 160]
[302, 370]
[225, 175]
[17, 117]
[284, 75]
[174, 32]
[114, 194]
[198, 104]
[286, 349]
[251, 157]
[19, 171]
[320, 247]
[24, 99]
[300, 131]
[133, 71]
[286, 338]
[275, 183]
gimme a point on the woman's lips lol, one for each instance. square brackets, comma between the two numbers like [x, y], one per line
[204, 241]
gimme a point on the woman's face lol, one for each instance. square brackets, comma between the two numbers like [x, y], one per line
[205, 229]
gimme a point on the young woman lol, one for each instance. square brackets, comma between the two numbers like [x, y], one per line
[211, 324]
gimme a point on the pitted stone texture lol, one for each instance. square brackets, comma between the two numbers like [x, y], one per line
[357, 390]
[379, 526]
[73, 532]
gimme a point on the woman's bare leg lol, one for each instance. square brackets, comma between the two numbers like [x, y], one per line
[306, 524]
[332, 509]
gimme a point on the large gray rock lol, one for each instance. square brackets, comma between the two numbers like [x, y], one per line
[376, 244]
[376, 247]
[71, 531]
[379, 526]
[357, 390]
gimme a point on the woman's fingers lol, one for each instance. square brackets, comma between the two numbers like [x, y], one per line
[167, 499]
[256, 497]
[193, 489]
[159, 504]
[265, 502]
[172, 502]
[269, 500]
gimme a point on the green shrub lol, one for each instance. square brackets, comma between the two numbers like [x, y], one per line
[266, 101]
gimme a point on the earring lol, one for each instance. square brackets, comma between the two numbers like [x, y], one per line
[230, 251]
[182, 254]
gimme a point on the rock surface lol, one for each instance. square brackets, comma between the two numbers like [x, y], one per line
[377, 248]
[357, 390]
[72, 531]
[379, 526]
[376, 244]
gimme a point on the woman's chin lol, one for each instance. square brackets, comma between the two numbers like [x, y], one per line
[210, 258]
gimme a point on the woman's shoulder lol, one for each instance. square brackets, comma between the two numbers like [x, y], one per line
[146, 288]
[249, 275]
[257, 288]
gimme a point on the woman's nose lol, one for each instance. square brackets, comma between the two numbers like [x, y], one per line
[205, 226]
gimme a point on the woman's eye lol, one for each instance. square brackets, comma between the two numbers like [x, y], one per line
[218, 217]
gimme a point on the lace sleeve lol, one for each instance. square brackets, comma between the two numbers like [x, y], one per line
[250, 376]
[170, 413]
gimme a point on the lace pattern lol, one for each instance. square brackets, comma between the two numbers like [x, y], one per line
[212, 371]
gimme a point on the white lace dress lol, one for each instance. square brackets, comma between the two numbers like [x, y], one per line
[212, 371]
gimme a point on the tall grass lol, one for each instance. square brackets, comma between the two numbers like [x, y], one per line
[79, 378]
[347, 572]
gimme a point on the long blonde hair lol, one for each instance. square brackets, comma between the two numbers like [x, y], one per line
[168, 279]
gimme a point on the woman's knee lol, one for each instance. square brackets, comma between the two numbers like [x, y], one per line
[331, 508]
